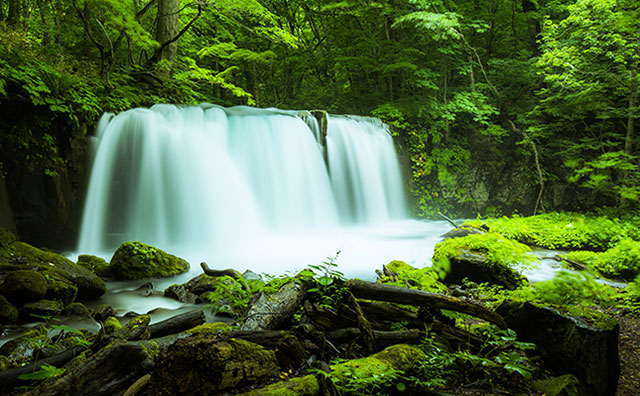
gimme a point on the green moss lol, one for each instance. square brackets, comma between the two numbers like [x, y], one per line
[497, 256]
[566, 385]
[6, 238]
[8, 313]
[300, 386]
[378, 370]
[136, 260]
[152, 349]
[210, 328]
[61, 291]
[111, 325]
[48, 308]
[94, 264]
[620, 261]
[564, 230]
[24, 286]
[5, 363]
[406, 275]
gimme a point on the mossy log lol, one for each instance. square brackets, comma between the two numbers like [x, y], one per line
[270, 311]
[401, 295]
[176, 324]
[381, 366]
[108, 372]
[383, 339]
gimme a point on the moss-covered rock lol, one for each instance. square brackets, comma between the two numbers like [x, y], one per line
[482, 258]
[77, 310]
[136, 260]
[300, 386]
[35, 310]
[568, 344]
[111, 325]
[19, 256]
[5, 363]
[202, 364]
[399, 272]
[23, 286]
[65, 292]
[94, 264]
[6, 238]
[8, 313]
[136, 329]
[20, 350]
[210, 328]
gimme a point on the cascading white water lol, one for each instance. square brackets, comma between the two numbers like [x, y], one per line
[247, 187]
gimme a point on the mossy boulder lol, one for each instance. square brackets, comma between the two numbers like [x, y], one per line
[94, 264]
[207, 365]
[62, 291]
[136, 329]
[6, 238]
[111, 325]
[36, 309]
[568, 344]
[23, 286]
[136, 260]
[481, 258]
[300, 386]
[8, 313]
[401, 273]
[210, 328]
[21, 256]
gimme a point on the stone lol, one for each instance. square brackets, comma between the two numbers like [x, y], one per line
[21, 256]
[23, 286]
[180, 293]
[568, 344]
[95, 264]
[20, 350]
[463, 231]
[201, 364]
[475, 267]
[102, 312]
[8, 313]
[78, 311]
[65, 292]
[136, 260]
[6, 238]
[34, 310]
[111, 325]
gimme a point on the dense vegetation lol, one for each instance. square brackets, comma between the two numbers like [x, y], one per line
[490, 100]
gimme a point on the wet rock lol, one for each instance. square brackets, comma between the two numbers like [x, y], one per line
[136, 329]
[21, 287]
[136, 260]
[475, 267]
[95, 264]
[38, 309]
[569, 344]
[77, 311]
[180, 293]
[8, 313]
[102, 312]
[20, 349]
[463, 231]
[202, 364]
[251, 276]
[111, 325]
[65, 292]
[21, 256]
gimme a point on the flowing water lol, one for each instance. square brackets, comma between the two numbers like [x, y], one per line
[246, 188]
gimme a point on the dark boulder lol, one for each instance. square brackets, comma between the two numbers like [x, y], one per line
[569, 345]
[477, 268]
[8, 313]
[24, 286]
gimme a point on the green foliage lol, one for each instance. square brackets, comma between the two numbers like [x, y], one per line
[328, 291]
[405, 275]
[560, 230]
[229, 297]
[45, 371]
[620, 261]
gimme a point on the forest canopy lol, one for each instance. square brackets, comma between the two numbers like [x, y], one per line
[525, 96]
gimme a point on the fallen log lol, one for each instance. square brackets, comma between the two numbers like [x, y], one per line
[110, 371]
[401, 295]
[383, 339]
[225, 272]
[9, 378]
[270, 311]
[176, 324]
[572, 263]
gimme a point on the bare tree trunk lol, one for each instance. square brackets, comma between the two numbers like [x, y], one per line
[633, 101]
[168, 26]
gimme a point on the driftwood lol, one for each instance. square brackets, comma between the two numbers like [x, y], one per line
[270, 311]
[108, 372]
[225, 272]
[9, 378]
[401, 295]
[177, 324]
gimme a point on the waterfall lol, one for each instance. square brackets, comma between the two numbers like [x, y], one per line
[206, 177]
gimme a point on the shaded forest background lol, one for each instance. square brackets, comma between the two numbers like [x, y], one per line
[497, 106]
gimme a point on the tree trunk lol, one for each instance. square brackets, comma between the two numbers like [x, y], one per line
[633, 101]
[13, 17]
[168, 24]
